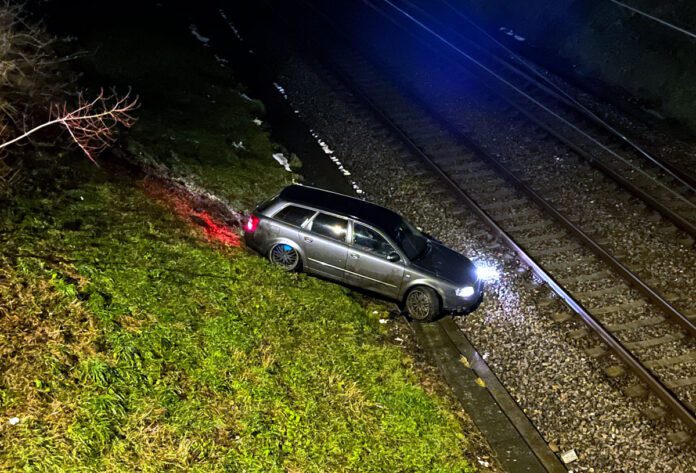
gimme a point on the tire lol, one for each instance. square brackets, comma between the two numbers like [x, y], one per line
[285, 256]
[422, 304]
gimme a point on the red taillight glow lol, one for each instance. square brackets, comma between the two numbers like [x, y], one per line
[251, 224]
[182, 204]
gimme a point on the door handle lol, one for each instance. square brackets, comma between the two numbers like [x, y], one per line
[308, 239]
[355, 256]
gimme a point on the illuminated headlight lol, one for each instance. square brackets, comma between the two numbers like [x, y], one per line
[466, 291]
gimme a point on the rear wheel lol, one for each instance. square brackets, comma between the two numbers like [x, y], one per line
[285, 256]
[422, 304]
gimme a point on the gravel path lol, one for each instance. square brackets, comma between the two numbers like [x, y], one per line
[561, 389]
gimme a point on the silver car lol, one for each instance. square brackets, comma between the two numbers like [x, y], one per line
[363, 245]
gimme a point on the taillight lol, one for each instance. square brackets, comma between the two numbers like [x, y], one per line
[252, 224]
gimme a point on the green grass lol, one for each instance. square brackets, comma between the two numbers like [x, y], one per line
[129, 343]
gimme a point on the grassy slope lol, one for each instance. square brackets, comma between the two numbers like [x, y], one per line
[128, 342]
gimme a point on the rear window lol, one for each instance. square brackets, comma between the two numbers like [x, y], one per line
[294, 215]
[330, 227]
[266, 203]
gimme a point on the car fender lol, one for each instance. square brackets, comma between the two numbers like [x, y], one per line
[290, 242]
[421, 282]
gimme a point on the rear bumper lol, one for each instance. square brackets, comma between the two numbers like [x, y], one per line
[250, 241]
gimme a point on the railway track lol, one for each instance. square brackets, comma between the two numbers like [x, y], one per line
[642, 330]
[665, 186]
[628, 321]
[551, 172]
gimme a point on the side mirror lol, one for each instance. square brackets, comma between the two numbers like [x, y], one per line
[393, 257]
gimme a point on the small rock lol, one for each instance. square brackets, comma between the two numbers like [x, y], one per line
[14, 420]
[635, 390]
[679, 438]
[655, 413]
[614, 371]
[560, 317]
[569, 456]
[596, 352]
[579, 333]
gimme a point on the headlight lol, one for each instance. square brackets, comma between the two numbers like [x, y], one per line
[466, 291]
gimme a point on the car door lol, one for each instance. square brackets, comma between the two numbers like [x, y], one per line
[288, 220]
[368, 265]
[324, 243]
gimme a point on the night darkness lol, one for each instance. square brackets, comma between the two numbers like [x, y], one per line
[375, 235]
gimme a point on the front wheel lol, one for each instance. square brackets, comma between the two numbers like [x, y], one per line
[285, 256]
[422, 304]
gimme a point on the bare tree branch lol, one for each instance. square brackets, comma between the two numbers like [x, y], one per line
[93, 124]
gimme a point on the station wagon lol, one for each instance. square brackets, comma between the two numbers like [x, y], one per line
[363, 245]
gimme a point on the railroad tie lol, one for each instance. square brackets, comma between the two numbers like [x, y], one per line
[597, 292]
[503, 204]
[525, 214]
[563, 265]
[634, 304]
[556, 250]
[460, 158]
[544, 238]
[459, 171]
[681, 383]
[596, 276]
[528, 226]
[675, 360]
[634, 324]
[651, 342]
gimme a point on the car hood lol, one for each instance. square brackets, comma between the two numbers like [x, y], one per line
[447, 264]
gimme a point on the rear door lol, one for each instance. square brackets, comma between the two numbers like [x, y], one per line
[324, 242]
[288, 221]
[368, 266]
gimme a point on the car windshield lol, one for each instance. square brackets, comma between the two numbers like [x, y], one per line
[413, 243]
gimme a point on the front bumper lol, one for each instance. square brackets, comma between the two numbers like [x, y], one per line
[452, 302]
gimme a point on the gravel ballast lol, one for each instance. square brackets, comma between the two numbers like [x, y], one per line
[560, 388]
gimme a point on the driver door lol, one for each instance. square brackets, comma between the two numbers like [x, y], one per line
[367, 265]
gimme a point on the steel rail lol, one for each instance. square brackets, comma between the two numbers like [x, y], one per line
[536, 78]
[668, 213]
[532, 99]
[595, 247]
[653, 383]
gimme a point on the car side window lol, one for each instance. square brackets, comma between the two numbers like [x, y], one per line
[294, 215]
[330, 227]
[366, 239]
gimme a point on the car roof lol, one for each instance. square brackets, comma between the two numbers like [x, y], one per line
[367, 212]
